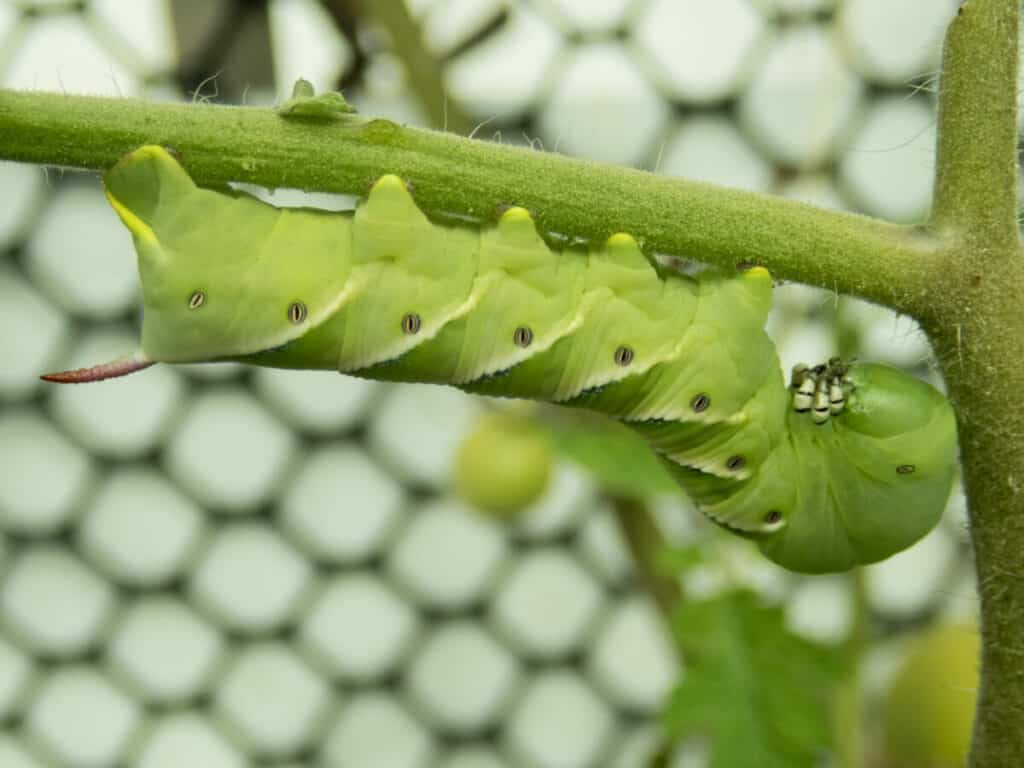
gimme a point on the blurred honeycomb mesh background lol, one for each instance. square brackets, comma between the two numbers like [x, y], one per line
[212, 566]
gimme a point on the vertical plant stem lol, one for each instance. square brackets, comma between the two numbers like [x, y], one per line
[423, 69]
[976, 158]
[975, 316]
[849, 725]
[645, 541]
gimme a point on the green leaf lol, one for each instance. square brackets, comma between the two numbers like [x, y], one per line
[760, 695]
[304, 104]
[619, 460]
[675, 561]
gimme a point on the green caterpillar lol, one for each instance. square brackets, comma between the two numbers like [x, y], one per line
[847, 465]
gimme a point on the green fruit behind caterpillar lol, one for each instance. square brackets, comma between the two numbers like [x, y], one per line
[929, 707]
[503, 465]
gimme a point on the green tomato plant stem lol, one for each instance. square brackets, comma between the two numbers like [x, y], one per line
[646, 542]
[421, 67]
[973, 311]
[848, 707]
[451, 174]
[961, 274]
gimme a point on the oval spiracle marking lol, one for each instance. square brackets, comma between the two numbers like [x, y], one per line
[197, 299]
[411, 324]
[522, 337]
[700, 402]
[296, 312]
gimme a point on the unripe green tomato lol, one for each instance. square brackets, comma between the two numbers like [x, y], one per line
[504, 465]
[929, 710]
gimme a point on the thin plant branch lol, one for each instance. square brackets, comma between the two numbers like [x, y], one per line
[453, 175]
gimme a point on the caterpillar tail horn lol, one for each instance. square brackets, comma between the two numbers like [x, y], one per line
[123, 366]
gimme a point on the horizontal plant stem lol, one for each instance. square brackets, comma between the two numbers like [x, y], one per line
[844, 252]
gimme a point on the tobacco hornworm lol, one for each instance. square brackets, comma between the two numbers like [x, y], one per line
[847, 465]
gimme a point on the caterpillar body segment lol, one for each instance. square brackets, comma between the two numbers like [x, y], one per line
[847, 465]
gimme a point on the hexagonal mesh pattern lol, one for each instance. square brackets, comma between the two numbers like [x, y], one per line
[213, 566]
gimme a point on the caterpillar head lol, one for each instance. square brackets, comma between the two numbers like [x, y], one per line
[890, 454]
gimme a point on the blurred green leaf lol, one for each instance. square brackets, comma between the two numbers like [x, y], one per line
[759, 694]
[679, 560]
[619, 459]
